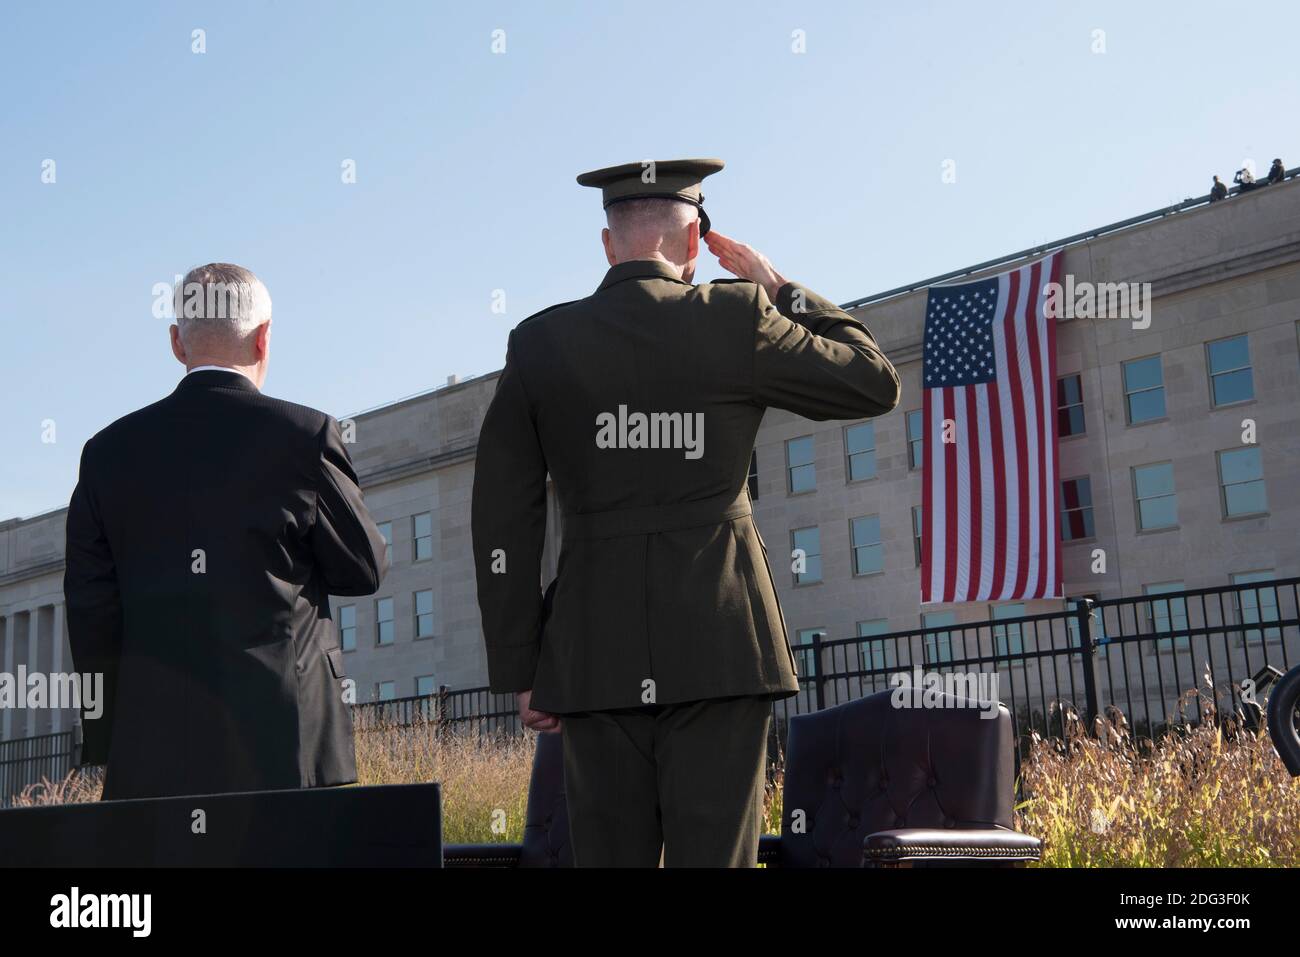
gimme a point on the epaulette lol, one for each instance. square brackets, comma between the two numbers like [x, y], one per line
[558, 305]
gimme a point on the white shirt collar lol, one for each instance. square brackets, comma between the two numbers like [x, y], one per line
[221, 369]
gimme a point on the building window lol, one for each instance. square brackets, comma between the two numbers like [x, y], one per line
[860, 448]
[424, 686]
[1231, 379]
[424, 614]
[386, 530]
[799, 465]
[876, 655]
[804, 656]
[938, 646]
[917, 526]
[915, 440]
[348, 627]
[1153, 488]
[1241, 482]
[809, 540]
[1008, 639]
[1165, 615]
[385, 690]
[1256, 606]
[384, 621]
[868, 552]
[1144, 390]
[752, 481]
[1069, 405]
[1076, 509]
[422, 536]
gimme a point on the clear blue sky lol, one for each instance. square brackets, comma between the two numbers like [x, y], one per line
[466, 159]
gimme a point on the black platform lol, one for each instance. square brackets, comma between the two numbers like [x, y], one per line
[397, 825]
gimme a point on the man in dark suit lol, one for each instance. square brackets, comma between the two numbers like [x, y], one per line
[204, 537]
[665, 644]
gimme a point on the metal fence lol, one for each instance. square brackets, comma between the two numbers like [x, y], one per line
[1160, 659]
[479, 708]
[26, 761]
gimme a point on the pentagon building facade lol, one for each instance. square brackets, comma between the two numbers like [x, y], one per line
[1151, 415]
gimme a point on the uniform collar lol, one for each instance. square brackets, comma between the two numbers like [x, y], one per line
[639, 269]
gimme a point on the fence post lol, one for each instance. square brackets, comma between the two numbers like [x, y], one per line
[1088, 652]
[818, 677]
[441, 705]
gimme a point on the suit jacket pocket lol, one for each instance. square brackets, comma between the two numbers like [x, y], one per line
[335, 657]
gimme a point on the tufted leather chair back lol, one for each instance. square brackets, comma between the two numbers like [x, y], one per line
[546, 821]
[867, 766]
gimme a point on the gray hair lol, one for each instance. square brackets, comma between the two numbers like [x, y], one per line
[220, 299]
[650, 214]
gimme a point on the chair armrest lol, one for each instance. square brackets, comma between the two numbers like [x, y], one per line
[481, 855]
[948, 844]
[769, 850]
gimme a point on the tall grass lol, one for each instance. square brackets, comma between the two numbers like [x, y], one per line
[1207, 795]
[484, 777]
[1213, 794]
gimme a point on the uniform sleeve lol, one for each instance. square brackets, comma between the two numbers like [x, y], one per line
[814, 359]
[508, 517]
[351, 555]
[94, 608]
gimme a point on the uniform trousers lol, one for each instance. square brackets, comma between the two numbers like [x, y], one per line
[686, 780]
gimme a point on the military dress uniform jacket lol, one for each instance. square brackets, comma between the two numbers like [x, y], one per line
[204, 537]
[663, 590]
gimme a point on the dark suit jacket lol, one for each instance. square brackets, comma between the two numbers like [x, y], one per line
[663, 576]
[205, 535]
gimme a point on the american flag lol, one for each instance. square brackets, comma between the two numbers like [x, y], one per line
[988, 513]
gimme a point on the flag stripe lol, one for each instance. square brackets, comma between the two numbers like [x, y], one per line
[1029, 363]
[1017, 444]
[1005, 472]
[990, 489]
[950, 500]
[927, 501]
[970, 589]
[1056, 583]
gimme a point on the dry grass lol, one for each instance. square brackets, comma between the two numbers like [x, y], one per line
[1204, 796]
[484, 777]
[79, 787]
[1207, 795]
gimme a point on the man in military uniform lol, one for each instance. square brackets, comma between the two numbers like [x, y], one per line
[664, 644]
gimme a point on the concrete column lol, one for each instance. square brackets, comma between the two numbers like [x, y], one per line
[56, 666]
[6, 722]
[33, 658]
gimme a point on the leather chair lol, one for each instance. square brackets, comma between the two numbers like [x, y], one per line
[869, 784]
[876, 785]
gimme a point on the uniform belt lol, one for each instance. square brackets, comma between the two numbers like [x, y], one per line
[648, 519]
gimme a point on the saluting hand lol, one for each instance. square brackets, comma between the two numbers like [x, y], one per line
[743, 260]
[537, 720]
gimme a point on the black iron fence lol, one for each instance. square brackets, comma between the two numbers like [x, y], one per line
[27, 761]
[1141, 655]
[477, 707]
[1160, 658]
